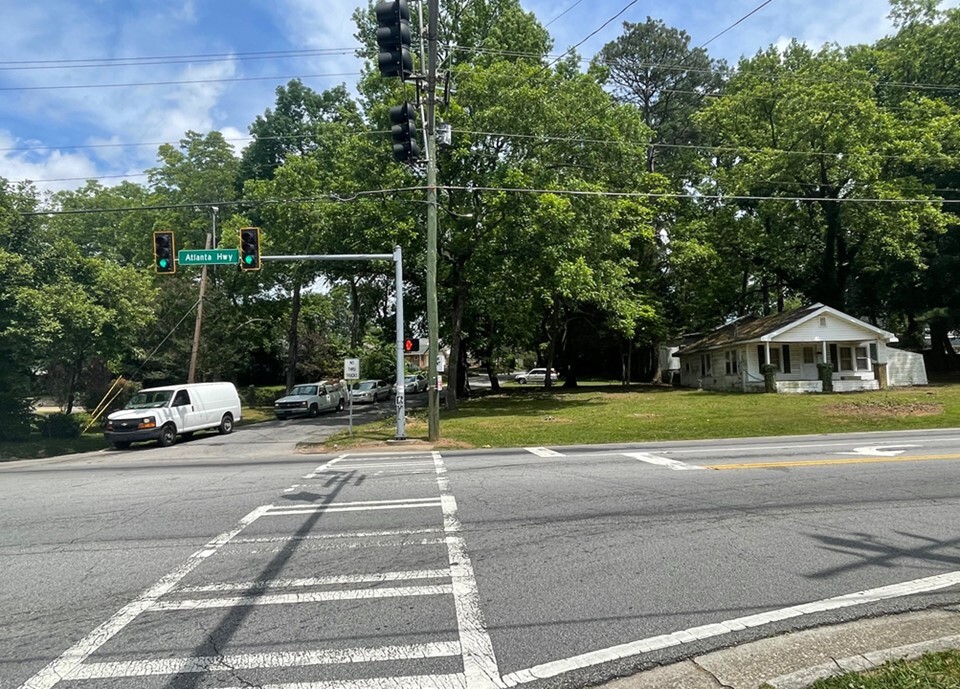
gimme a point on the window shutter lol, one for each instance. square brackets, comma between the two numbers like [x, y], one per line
[761, 354]
[786, 358]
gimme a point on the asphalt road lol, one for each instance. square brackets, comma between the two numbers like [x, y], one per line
[232, 561]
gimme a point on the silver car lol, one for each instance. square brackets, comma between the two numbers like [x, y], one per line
[535, 375]
[370, 391]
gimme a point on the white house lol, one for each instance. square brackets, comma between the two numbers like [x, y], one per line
[730, 357]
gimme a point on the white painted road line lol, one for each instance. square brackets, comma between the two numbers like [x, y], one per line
[391, 464]
[707, 631]
[317, 581]
[346, 534]
[543, 452]
[320, 469]
[305, 597]
[479, 661]
[363, 502]
[384, 456]
[412, 682]
[257, 661]
[662, 461]
[53, 673]
[310, 509]
[348, 545]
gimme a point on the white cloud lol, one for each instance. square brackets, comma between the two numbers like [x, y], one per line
[65, 170]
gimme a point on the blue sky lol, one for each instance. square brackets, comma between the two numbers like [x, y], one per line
[71, 131]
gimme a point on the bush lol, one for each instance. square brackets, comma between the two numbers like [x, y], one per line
[14, 418]
[262, 397]
[61, 425]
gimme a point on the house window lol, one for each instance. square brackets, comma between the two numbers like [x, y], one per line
[808, 355]
[862, 363]
[823, 322]
[775, 358]
[705, 363]
[730, 357]
[846, 359]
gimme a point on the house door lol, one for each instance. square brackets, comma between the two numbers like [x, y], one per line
[808, 369]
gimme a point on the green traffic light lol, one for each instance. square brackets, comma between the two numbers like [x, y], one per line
[163, 262]
[248, 259]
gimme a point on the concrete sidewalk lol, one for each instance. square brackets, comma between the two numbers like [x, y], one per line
[795, 660]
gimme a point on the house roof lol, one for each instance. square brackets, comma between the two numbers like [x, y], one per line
[762, 328]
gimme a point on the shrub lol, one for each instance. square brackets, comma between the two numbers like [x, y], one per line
[14, 418]
[261, 397]
[61, 425]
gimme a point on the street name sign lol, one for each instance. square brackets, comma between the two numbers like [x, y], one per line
[209, 257]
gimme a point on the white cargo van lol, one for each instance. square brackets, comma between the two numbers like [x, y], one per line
[162, 414]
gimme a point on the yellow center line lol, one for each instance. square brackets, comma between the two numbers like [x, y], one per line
[827, 462]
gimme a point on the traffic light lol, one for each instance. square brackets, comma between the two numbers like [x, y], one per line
[393, 37]
[413, 345]
[163, 252]
[250, 248]
[404, 132]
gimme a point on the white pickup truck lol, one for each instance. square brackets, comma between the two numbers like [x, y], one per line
[309, 399]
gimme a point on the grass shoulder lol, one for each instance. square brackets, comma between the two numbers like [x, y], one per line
[930, 671]
[523, 416]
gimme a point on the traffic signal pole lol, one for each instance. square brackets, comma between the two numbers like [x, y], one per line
[433, 390]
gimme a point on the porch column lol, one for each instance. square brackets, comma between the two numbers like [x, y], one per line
[766, 353]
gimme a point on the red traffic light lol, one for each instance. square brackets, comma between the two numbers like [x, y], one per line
[410, 345]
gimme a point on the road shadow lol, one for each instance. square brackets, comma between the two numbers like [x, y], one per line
[218, 638]
[867, 550]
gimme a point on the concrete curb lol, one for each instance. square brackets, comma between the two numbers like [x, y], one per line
[861, 663]
[795, 660]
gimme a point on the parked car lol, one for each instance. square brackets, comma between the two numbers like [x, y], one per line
[162, 414]
[535, 375]
[309, 399]
[370, 391]
[413, 384]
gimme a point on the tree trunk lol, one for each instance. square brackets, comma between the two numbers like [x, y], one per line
[456, 338]
[72, 386]
[491, 374]
[355, 308]
[292, 339]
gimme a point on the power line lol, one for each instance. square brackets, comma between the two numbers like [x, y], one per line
[562, 13]
[176, 82]
[167, 60]
[332, 197]
[329, 197]
[741, 19]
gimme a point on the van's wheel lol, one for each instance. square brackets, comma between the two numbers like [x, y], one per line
[121, 444]
[168, 435]
[226, 424]
[314, 411]
[340, 404]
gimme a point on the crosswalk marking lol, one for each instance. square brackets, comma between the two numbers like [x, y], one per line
[457, 681]
[304, 597]
[662, 461]
[317, 581]
[310, 509]
[543, 452]
[343, 535]
[254, 661]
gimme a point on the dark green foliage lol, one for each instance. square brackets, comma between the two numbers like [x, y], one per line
[59, 425]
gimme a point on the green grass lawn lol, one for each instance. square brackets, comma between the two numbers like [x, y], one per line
[525, 416]
[931, 671]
